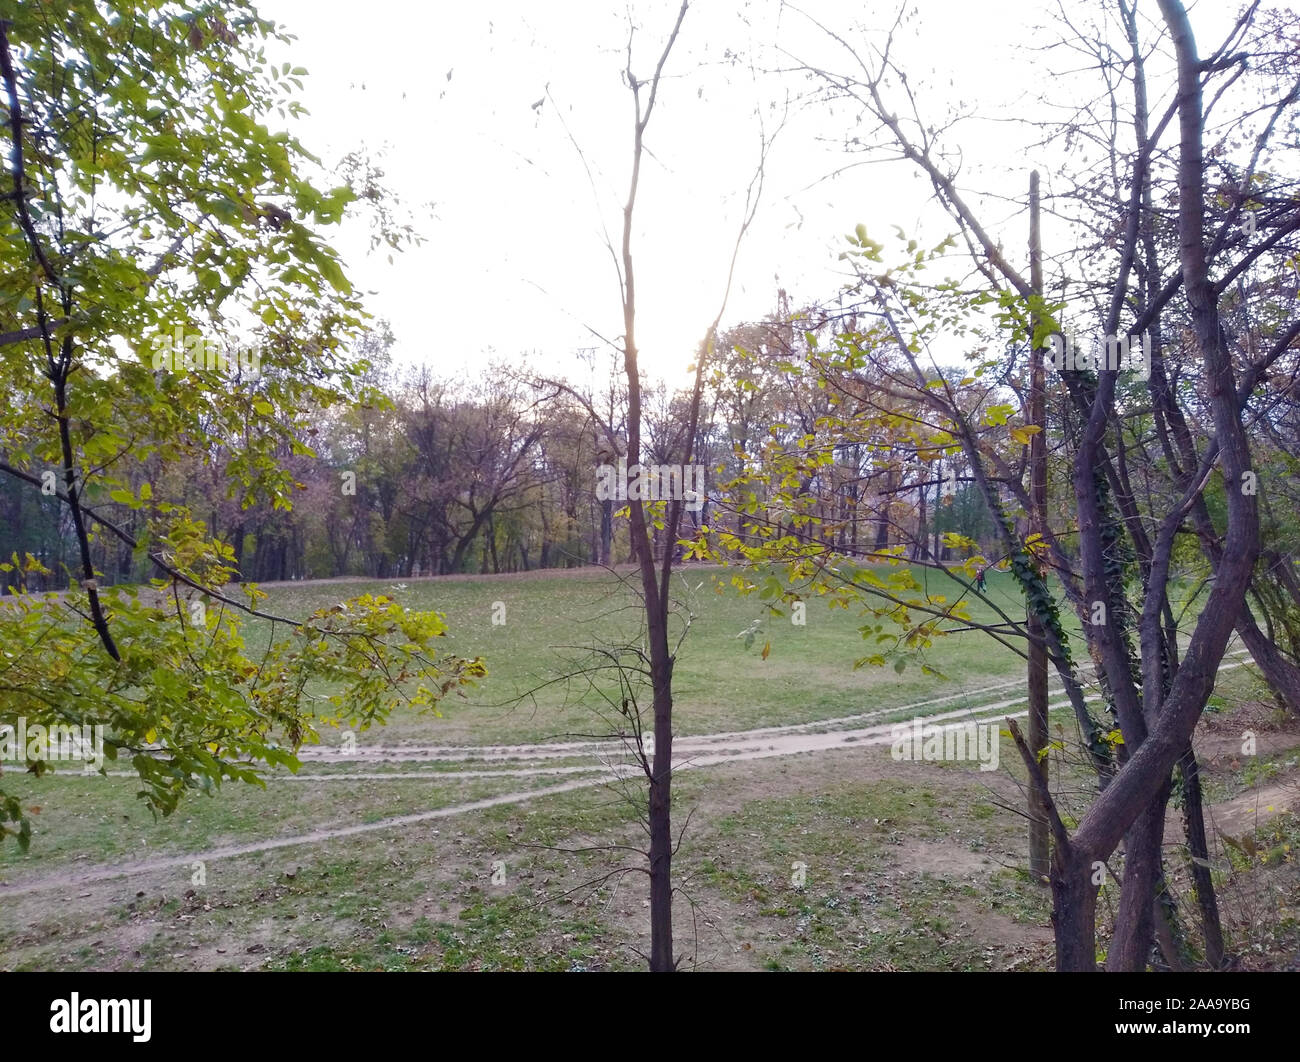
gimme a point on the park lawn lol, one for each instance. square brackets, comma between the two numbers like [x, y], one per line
[86, 820]
[554, 619]
[808, 676]
[905, 866]
[895, 858]
[841, 860]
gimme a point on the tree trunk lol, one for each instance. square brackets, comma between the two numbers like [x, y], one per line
[1282, 675]
[1134, 926]
[661, 841]
[1194, 830]
[1074, 912]
[1036, 728]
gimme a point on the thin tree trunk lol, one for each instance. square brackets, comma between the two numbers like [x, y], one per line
[1282, 675]
[655, 597]
[1036, 727]
[1194, 829]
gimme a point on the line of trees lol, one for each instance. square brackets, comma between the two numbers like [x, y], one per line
[433, 476]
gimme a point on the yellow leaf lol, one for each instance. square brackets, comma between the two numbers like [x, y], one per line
[767, 648]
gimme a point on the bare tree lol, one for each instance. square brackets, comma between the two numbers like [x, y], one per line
[655, 575]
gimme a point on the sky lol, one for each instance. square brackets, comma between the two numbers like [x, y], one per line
[504, 129]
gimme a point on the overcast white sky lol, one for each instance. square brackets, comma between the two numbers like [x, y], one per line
[442, 95]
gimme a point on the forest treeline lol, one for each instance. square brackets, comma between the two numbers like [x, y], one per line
[499, 473]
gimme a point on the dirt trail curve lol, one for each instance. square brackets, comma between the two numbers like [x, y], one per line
[612, 764]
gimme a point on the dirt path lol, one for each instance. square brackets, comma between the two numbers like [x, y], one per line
[1243, 814]
[789, 739]
[613, 764]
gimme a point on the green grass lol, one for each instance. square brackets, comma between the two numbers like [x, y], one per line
[863, 904]
[554, 620]
[719, 685]
[420, 897]
[89, 820]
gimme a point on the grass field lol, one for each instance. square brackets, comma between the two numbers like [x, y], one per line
[553, 619]
[840, 858]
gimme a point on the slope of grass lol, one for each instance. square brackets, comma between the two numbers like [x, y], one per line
[554, 622]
